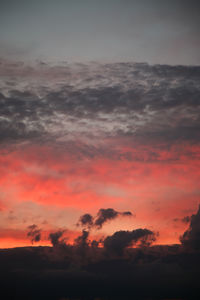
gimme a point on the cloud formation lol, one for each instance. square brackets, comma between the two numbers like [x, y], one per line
[157, 102]
[55, 237]
[120, 240]
[107, 214]
[34, 233]
[86, 220]
[103, 215]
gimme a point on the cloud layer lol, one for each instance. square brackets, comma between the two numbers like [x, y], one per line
[122, 99]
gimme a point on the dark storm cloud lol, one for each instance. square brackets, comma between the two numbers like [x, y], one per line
[34, 233]
[126, 100]
[120, 240]
[104, 214]
[191, 237]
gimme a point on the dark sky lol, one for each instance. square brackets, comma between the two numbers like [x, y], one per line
[154, 31]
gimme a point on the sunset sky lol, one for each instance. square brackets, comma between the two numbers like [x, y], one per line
[99, 108]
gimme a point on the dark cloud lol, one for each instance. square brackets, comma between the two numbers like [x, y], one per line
[106, 214]
[55, 237]
[86, 220]
[159, 102]
[34, 233]
[103, 215]
[82, 240]
[120, 240]
[191, 237]
[127, 213]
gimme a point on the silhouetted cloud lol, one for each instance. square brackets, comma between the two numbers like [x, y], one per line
[86, 220]
[81, 241]
[34, 233]
[120, 240]
[107, 214]
[103, 215]
[54, 237]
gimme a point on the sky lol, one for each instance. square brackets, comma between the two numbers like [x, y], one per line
[153, 31]
[99, 149]
[99, 109]
[76, 138]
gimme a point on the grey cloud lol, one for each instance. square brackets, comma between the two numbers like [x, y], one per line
[139, 101]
